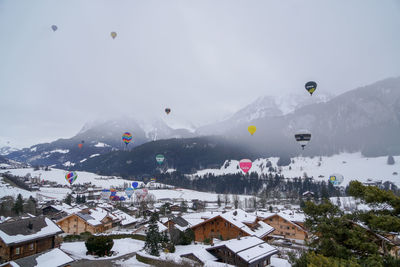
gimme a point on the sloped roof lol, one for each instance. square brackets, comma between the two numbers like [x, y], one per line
[249, 248]
[54, 257]
[28, 229]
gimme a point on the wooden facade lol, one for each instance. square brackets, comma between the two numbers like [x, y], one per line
[73, 224]
[285, 228]
[216, 227]
[28, 248]
[227, 256]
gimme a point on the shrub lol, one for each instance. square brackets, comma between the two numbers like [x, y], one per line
[99, 245]
[207, 241]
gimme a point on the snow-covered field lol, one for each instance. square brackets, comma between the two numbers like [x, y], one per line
[57, 175]
[8, 190]
[77, 250]
[353, 166]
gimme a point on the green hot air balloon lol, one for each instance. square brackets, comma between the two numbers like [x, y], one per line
[160, 159]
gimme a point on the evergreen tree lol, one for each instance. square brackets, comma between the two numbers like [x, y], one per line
[83, 199]
[235, 200]
[184, 206]
[219, 200]
[78, 199]
[19, 205]
[153, 237]
[30, 206]
[68, 199]
[390, 160]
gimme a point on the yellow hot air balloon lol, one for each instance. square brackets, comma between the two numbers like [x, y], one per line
[113, 35]
[252, 129]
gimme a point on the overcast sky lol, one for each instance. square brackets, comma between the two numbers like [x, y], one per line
[204, 59]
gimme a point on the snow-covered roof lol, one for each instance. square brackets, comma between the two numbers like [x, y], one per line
[249, 248]
[202, 255]
[55, 257]
[28, 229]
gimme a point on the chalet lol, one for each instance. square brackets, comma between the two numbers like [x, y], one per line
[231, 225]
[177, 222]
[27, 237]
[249, 251]
[54, 258]
[176, 208]
[201, 256]
[287, 225]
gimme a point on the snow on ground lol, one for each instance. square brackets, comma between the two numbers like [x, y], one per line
[57, 175]
[77, 250]
[94, 155]
[189, 194]
[100, 144]
[53, 193]
[8, 190]
[62, 151]
[353, 166]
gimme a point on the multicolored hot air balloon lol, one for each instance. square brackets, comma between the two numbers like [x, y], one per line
[336, 179]
[135, 185]
[129, 191]
[311, 87]
[167, 110]
[153, 180]
[71, 177]
[127, 137]
[160, 159]
[303, 137]
[252, 129]
[105, 194]
[245, 165]
[113, 34]
[54, 28]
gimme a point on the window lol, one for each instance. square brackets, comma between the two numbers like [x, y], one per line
[271, 219]
[281, 226]
[212, 230]
[31, 246]
[288, 227]
[293, 227]
[226, 224]
[17, 251]
[212, 222]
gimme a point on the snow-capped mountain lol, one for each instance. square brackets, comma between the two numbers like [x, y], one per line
[264, 107]
[5, 150]
[97, 138]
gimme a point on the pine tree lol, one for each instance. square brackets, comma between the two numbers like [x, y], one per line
[83, 199]
[19, 205]
[78, 199]
[153, 237]
[68, 199]
[390, 160]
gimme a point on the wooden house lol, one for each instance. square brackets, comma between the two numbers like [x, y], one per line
[27, 237]
[249, 251]
[229, 225]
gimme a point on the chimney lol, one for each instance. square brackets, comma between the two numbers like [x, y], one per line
[30, 225]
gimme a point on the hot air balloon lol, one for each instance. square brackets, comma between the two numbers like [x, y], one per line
[160, 159]
[167, 110]
[105, 194]
[80, 145]
[152, 180]
[252, 129]
[113, 35]
[54, 28]
[135, 185]
[303, 137]
[336, 179]
[122, 198]
[71, 177]
[83, 141]
[127, 137]
[129, 191]
[311, 87]
[245, 165]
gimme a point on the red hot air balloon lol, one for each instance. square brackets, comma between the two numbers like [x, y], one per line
[245, 165]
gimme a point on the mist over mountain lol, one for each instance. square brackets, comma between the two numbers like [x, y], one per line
[366, 119]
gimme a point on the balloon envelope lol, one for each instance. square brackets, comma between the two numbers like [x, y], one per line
[135, 184]
[80, 145]
[113, 35]
[160, 159]
[167, 110]
[252, 129]
[129, 191]
[311, 87]
[54, 27]
[127, 137]
[105, 194]
[245, 165]
[336, 179]
[71, 177]
[303, 137]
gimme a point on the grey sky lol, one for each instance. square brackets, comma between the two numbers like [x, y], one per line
[204, 59]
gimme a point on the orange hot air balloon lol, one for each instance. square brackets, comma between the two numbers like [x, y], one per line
[80, 145]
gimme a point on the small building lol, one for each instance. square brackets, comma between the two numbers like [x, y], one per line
[249, 251]
[55, 258]
[287, 225]
[229, 225]
[27, 237]
[308, 194]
